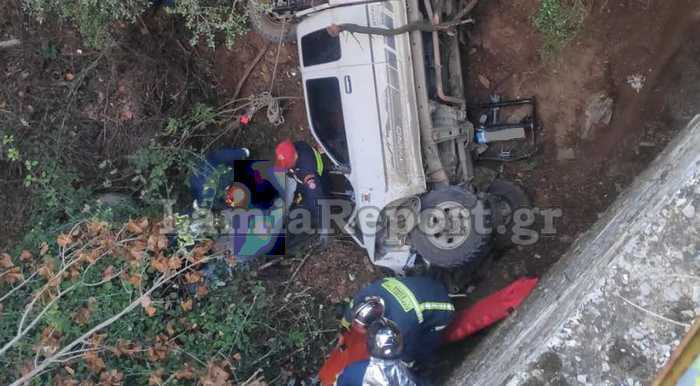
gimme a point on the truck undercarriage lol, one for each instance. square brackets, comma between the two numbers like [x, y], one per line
[439, 109]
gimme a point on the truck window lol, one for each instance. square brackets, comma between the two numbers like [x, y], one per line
[319, 47]
[326, 113]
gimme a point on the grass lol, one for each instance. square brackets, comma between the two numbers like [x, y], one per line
[559, 21]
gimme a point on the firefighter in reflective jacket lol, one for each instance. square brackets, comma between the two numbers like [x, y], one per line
[305, 165]
[419, 306]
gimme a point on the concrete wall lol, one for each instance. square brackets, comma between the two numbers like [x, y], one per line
[611, 311]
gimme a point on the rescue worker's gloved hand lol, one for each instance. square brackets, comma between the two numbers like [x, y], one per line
[340, 309]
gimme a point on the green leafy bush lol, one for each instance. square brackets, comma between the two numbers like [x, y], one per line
[94, 18]
[559, 21]
[160, 172]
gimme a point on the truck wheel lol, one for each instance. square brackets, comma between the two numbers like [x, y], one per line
[507, 197]
[271, 27]
[463, 239]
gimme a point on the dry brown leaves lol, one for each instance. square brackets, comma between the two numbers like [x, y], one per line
[133, 279]
[200, 251]
[157, 242]
[82, 316]
[160, 264]
[63, 240]
[47, 270]
[6, 261]
[156, 377]
[90, 256]
[11, 276]
[137, 226]
[160, 349]
[49, 342]
[112, 377]
[95, 340]
[94, 362]
[186, 372]
[193, 277]
[95, 228]
[136, 251]
[216, 375]
[186, 305]
[174, 263]
[62, 380]
[125, 347]
[147, 305]
[73, 273]
[202, 291]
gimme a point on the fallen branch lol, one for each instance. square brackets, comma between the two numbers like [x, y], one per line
[296, 271]
[270, 264]
[425, 26]
[248, 70]
[9, 43]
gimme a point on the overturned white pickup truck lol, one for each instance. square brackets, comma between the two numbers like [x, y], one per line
[385, 99]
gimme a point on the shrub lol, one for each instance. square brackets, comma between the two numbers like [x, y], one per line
[123, 305]
[204, 18]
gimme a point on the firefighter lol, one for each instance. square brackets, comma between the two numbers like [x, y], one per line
[419, 306]
[384, 367]
[305, 165]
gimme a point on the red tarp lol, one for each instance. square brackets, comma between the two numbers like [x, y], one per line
[489, 310]
[352, 348]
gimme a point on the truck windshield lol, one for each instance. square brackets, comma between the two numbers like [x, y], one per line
[326, 114]
[319, 47]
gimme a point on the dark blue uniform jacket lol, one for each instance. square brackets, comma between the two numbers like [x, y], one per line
[421, 308]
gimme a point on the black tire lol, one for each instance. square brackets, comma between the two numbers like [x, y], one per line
[506, 198]
[271, 28]
[467, 249]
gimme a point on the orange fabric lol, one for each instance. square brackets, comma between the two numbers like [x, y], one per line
[489, 310]
[353, 348]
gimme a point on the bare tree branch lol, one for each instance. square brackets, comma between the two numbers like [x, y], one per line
[165, 278]
[20, 285]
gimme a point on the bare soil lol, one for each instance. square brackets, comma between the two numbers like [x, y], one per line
[277, 72]
[616, 41]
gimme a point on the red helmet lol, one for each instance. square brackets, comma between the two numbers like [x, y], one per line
[285, 154]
